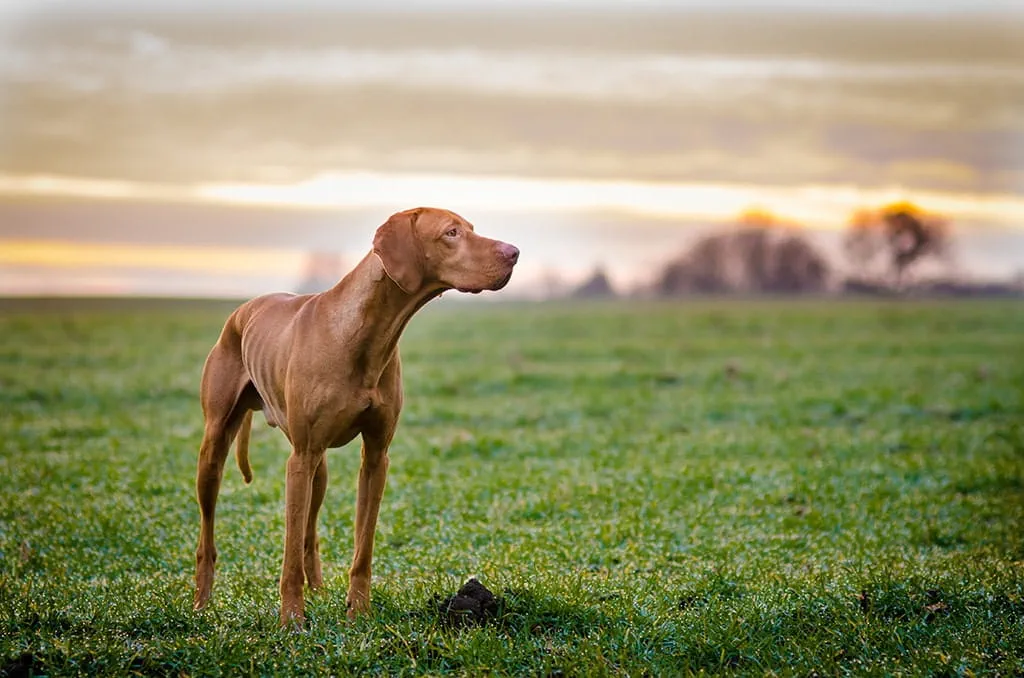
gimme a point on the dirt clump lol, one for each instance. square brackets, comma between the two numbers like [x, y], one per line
[473, 604]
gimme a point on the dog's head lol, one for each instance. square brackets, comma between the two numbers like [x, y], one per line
[430, 247]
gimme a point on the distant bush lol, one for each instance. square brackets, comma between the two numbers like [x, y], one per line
[860, 286]
[597, 286]
[960, 288]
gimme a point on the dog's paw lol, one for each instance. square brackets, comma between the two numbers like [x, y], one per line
[357, 606]
[293, 620]
[201, 599]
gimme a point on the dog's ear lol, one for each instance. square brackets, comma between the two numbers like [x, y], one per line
[399, 250]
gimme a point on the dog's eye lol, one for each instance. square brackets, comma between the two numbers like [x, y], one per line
[451, 233]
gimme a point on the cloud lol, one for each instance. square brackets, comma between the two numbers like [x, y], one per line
[619, 95]
[21, 7]
[816, 205]
[170, 258]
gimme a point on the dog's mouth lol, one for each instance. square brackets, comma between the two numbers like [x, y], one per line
[503, 282]
[493, 288]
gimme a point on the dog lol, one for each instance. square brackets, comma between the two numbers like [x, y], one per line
[325, 368]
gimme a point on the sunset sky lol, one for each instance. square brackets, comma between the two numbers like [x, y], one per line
[180, 149]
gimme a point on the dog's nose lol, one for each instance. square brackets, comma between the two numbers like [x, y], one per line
[510, 252]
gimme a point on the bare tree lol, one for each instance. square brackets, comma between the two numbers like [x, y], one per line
[899, 234]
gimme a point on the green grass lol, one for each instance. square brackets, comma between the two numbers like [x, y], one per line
[753, 488]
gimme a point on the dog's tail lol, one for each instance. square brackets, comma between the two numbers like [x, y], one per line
[242, 447]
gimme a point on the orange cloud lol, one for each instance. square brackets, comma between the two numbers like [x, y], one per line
[201, 259]
[814, 205]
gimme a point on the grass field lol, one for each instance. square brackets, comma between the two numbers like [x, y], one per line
[789, 488]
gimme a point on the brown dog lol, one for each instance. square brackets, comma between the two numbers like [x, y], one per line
[325, 368]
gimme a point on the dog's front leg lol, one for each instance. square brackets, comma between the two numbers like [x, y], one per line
[298, 492]
[373, 473]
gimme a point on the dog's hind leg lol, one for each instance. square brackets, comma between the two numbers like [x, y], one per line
[224, 407]
[311, 556]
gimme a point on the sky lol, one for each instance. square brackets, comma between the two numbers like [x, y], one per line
[215, 149]
[23, 7]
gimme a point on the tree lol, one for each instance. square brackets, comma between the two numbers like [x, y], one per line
[899, 234]
[798, 267]
[597, 286]
[758, 254]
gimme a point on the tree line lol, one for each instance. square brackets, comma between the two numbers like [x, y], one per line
[761, 254]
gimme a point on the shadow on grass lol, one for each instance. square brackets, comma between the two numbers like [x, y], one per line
[523, 633]
[25, 664]
[515, 611]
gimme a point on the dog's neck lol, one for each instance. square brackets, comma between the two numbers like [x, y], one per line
[369, 312]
